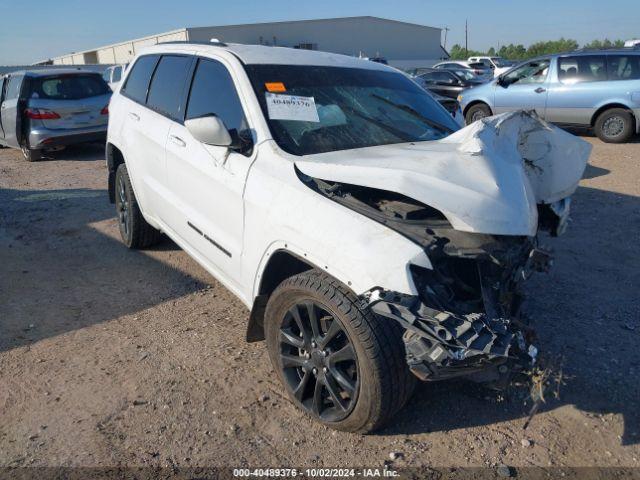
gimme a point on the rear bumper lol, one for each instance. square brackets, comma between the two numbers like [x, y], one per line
[43, 138]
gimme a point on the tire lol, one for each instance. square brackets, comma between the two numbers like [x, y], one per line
[375, 368]
[134, 229]
[476, 112]
[31, 155]
[614, 125]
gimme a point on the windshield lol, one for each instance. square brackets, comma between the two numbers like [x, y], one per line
[69, 87]
[313, 109]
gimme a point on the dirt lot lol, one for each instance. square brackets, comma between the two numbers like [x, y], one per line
[116, 357]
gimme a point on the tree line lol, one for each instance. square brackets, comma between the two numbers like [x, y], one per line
[520, 52]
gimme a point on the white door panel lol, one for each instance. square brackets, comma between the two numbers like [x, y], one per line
[207, 182]
[145, 136]
[206, 186]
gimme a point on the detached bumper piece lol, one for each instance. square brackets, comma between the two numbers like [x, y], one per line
[442, 345]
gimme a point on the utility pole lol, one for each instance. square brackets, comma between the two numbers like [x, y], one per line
[446, 29]
[466, 38]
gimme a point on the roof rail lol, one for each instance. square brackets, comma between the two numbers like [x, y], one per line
[608, 49]
[214, 42]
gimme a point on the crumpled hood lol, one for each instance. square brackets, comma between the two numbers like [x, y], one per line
[485, 178]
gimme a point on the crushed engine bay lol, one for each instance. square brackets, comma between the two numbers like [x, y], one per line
[466, 318]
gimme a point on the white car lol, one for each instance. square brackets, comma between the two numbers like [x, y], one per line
[372, 240]
[498, 64]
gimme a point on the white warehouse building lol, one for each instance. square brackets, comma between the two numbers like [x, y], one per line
[402, 44]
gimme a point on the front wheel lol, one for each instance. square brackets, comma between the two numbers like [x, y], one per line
[477, 112]
[134, 229]
[614, 125]
[338, 361]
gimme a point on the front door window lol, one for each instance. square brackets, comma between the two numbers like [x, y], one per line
[531, 72]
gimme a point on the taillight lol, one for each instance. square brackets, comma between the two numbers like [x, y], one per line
[105, 110]
[41, 114]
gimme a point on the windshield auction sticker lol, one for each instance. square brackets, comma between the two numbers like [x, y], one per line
[291, 107]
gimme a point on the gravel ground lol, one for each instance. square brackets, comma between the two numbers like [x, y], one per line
[110, 357]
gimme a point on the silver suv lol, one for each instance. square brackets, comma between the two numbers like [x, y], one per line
[42, 109]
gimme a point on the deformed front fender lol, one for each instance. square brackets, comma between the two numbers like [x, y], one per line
[359, 267]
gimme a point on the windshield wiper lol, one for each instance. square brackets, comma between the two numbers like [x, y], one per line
[415, 113]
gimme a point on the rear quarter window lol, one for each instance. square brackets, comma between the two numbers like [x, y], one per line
[624, 67]
[117, 74]
[137, 83]
[13, 88]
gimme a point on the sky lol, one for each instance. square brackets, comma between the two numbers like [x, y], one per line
[34, 30]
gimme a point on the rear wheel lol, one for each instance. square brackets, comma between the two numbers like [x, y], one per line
[339, 362]
[134, 229]
[31, 155]
[614, 125]
[477, 112]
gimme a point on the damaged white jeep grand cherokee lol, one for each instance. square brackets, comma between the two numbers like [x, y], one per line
[373, 241]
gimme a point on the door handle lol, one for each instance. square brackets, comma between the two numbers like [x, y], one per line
[540, 90]
[134, 116]
[178, 141]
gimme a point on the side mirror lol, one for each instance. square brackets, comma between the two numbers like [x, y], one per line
[209, 129]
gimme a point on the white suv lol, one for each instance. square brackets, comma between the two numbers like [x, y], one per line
[372, 242]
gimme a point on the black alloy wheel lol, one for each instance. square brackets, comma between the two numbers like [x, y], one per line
[318, 361]
[123, 208]
[341, 364]
[134, 229]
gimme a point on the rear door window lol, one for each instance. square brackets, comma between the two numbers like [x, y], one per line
[213, 91]
[582, 68]
[167, 86]
[624, 67]
[68, 87]
[138, 80]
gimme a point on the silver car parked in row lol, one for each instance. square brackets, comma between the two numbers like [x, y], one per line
[43, 109]
[593, 89]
